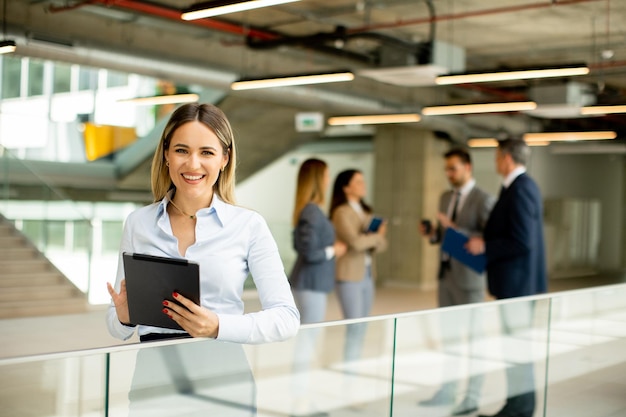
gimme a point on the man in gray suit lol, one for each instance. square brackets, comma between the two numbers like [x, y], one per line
[466, 208]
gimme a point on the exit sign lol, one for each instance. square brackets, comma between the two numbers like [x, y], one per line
[309, 122]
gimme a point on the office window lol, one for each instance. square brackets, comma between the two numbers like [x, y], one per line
[35, 77]
[55, 234]
[62, 78]
[116, 79]
[11, 76]
[112, 235]
[87, 78]
[82, 235]
[33, 229]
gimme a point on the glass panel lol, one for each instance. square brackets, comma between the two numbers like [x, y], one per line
[35, 77]
[324, 372]
[11, 76]
[479, 357]
[48, 219]
[62, 78]
[193, 378]
[588, 353]
[68, 387]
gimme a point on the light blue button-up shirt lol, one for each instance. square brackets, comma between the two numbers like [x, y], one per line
[231, 242]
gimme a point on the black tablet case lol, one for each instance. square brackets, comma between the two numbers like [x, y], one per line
[152, 279]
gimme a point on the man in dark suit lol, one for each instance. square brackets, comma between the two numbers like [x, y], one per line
[466, 208]
[516, 265]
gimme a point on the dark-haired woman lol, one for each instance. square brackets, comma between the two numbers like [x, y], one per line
[355, 273]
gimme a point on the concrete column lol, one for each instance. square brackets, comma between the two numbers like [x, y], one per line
[408, 181]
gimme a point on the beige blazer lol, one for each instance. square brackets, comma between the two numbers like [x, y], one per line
[350, 229]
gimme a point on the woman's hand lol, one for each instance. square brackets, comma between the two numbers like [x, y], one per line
[340, 248]
[195, 320]
[121, 302]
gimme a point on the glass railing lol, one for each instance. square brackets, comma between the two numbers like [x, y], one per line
[50, 220]
[562, 354]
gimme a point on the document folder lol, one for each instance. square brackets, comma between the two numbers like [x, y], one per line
[454, 244]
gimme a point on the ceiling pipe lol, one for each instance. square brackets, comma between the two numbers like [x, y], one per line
[465, 15]
[171, 14]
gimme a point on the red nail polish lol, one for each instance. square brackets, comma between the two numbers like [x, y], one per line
[165, 311]
[175, 294]
[165, 303]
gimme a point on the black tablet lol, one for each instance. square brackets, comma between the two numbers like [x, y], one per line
[152, 279]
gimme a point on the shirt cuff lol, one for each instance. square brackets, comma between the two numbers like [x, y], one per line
[330, 252]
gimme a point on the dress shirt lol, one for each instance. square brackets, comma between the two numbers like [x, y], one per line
[508, 180]
[231, 242]
[464, 191]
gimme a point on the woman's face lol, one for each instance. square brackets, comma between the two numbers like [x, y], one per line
[195, 159]
[355, 190]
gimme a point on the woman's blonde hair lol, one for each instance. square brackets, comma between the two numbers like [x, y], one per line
[310, 187]
[213, 118]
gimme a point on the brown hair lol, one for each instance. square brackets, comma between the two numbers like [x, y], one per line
[310, 186]
[339, 196]
[213, 118]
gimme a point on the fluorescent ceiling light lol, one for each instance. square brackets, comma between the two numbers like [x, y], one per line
[169, 99]
[292, 80]
[479, 108]
[602, 110]
[569, 136]
[373, 119]
[7, 46]
[511, 75]
[219, 7]
[493, 143]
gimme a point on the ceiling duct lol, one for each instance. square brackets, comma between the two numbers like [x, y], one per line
[403, 70]
[561, 101]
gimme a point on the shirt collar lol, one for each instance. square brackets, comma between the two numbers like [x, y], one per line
[219, 207]
[508, 180]
[356, 206]
[464, 190]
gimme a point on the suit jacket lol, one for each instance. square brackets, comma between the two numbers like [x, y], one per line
[311, 236]
[516, 264]
[471, 220]
[350, 229]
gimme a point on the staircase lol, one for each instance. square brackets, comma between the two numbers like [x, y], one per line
[30, 285]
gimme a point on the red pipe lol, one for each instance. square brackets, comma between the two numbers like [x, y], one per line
[172, 14]
[497, 10]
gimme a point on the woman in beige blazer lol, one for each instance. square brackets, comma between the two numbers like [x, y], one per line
[355, 269]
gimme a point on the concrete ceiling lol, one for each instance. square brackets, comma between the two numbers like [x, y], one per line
[325, 35]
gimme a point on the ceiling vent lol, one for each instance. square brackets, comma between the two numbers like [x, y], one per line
[407, 70]
[561, 101]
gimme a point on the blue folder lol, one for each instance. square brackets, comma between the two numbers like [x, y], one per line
[454, 244]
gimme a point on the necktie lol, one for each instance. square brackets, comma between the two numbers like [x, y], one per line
[445, 258]
[457, 197]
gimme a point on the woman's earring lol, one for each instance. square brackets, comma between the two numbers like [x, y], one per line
[167, 163]
[223, 168]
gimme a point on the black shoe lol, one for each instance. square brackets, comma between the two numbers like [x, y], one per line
[509, 412]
